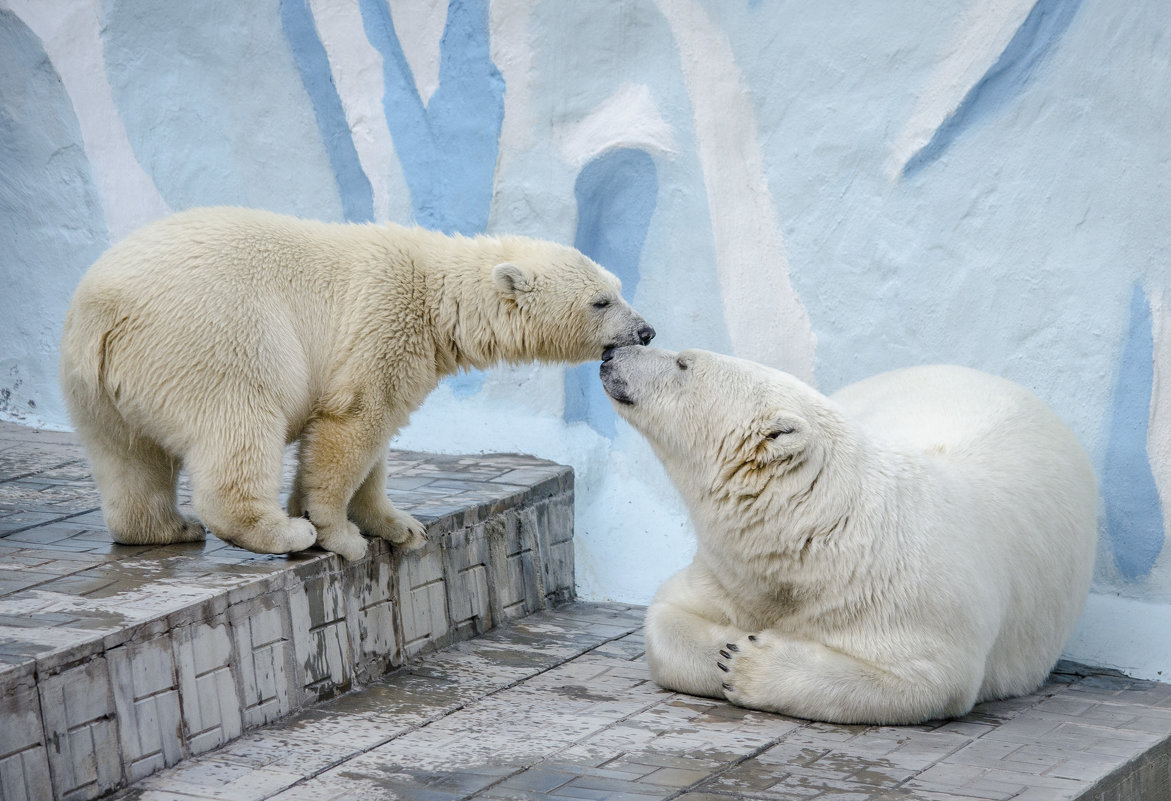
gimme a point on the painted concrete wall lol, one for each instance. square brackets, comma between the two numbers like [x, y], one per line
[833, 188]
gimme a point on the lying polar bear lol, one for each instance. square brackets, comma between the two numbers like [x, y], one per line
[213, 337]
[919, 542]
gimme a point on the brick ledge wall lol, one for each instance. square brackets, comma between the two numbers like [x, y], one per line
[117, 661]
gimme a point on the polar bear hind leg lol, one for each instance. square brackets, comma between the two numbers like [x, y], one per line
[137, 480]
[136, 476]
[237, 475]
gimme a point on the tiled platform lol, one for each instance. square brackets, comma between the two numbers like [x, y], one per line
[116, 661]
[559, 707]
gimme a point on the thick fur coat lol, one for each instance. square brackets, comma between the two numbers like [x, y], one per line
[921, 541]
[212, 338]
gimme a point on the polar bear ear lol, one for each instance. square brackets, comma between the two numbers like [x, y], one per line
[783, 435]
[511, 279]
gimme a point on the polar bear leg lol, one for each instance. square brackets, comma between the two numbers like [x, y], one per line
[377, 516]
[681, 637]
[337, 454]
[236, 476]
[137, 481]
[774, 672]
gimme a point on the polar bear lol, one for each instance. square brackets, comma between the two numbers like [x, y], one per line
[918, 542]
[212, 338]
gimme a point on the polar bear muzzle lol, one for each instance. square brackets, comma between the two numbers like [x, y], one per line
[617, 363]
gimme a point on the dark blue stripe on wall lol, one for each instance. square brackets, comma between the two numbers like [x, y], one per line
[1005, 79]
[448, 149]
[1134, 516]
[312, 62]
[616, 195]
[405, 115]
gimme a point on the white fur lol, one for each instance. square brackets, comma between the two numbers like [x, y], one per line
[214, 337]
[921, 541]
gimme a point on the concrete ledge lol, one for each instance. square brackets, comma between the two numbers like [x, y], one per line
[116, 661]
[1146, 777]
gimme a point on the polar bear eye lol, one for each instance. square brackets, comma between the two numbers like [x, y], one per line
[601, 303]
[682, 363]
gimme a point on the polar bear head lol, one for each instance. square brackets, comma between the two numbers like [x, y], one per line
[556, 304]
[728, 430]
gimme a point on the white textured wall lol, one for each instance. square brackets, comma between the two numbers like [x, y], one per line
[832, 188]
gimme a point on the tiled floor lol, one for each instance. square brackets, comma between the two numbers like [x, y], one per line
[117, 661]
[560, 706]
[64, 584]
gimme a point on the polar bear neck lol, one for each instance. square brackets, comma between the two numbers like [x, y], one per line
[788, 515]
[465, 310]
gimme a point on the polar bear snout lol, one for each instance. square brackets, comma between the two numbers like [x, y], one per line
[628, 370]
[612, 379]
[639, 332]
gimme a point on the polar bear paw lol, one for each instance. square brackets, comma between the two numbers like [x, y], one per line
[285, 535]
[345, 540]
[188, 530]
[297, 535]
[746, 667]
[400, 529]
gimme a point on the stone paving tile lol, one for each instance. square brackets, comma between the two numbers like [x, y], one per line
[57, 561]
[128, 659]
[560, 706]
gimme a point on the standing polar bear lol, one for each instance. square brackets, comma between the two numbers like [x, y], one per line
[921, 541]
[214, 337]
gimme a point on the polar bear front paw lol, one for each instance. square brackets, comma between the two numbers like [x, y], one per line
[188, 530]
[400, 529]
[745, 666]
[345, 540]
[299, 534]
[286, 536]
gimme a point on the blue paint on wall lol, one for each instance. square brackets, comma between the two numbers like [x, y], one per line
[313, 63]
[1022, 56]
[214, 105]
[616, 195]
[465, 385]
[52, 225]
[448, 148]
[48, 199]
[1134, 517]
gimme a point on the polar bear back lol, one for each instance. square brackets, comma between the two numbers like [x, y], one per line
[1030, 489]
[942, 408]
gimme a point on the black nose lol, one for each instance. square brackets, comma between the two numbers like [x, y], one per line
[607, 354]
[646, 334]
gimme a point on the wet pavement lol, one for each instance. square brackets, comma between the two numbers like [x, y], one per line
[117, 661]
[560, 706]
